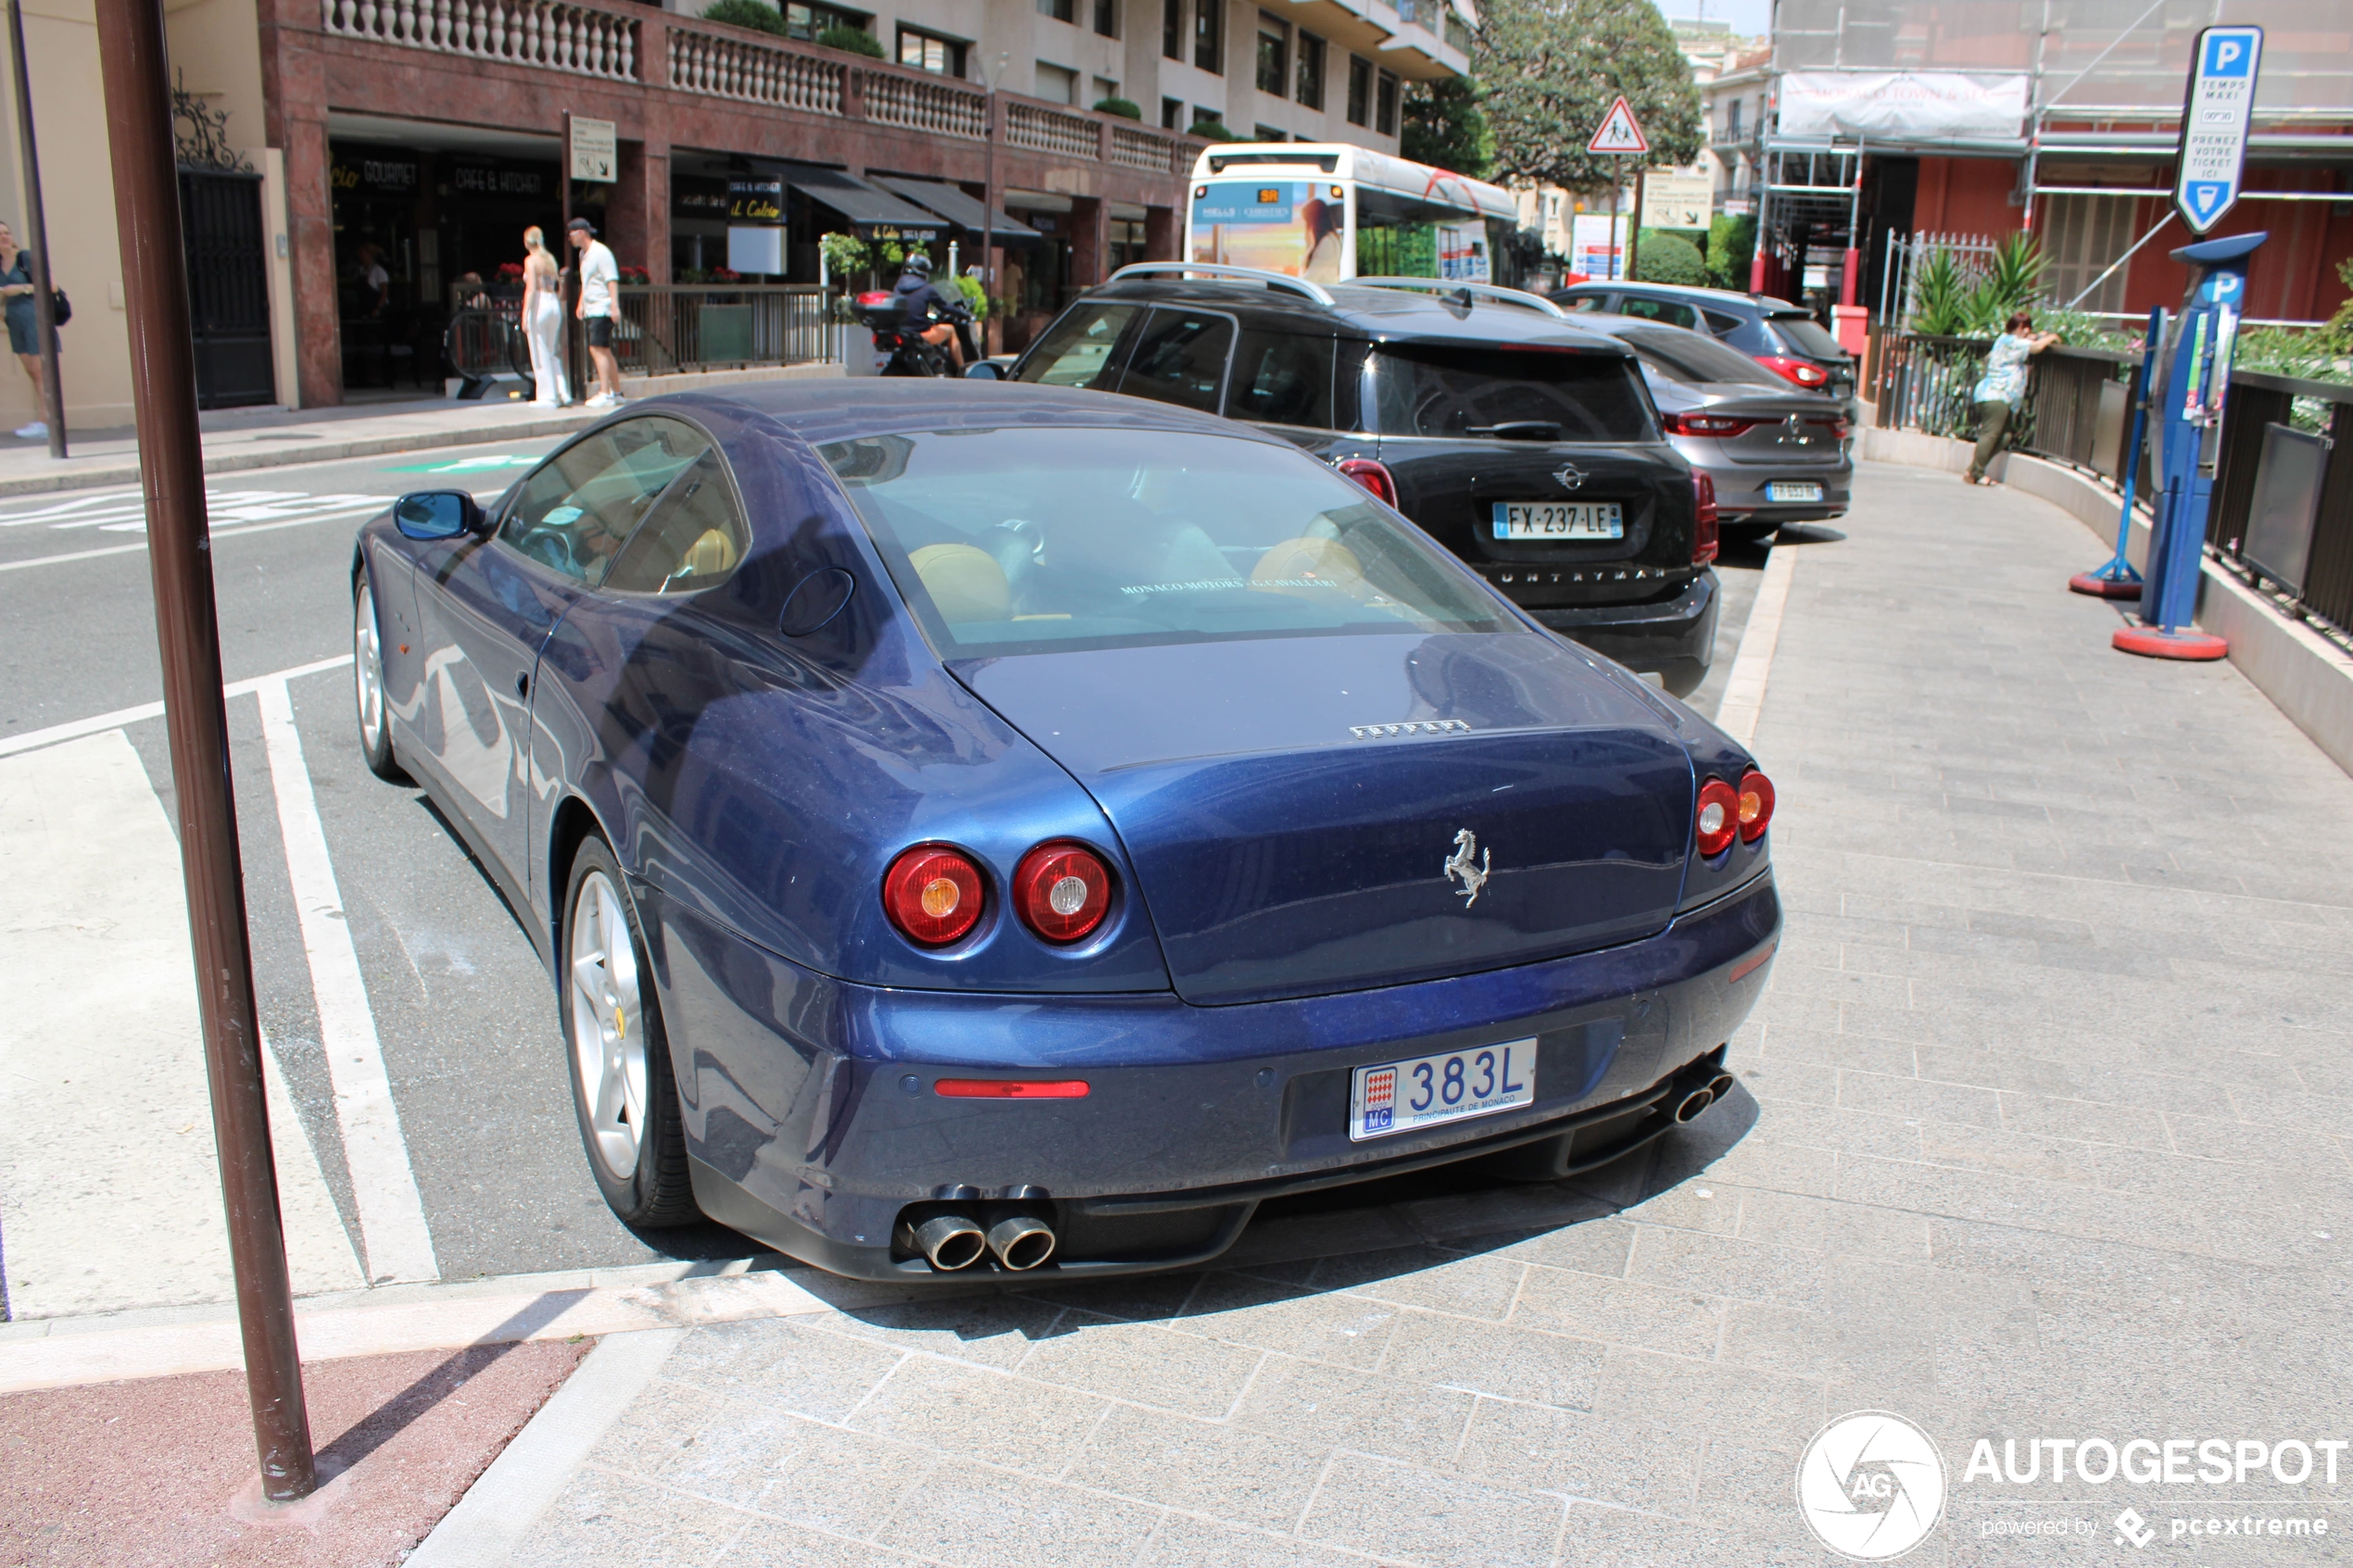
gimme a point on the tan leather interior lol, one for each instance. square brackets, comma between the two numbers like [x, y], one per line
[964, 583]
[712, 554]
[1285, 567]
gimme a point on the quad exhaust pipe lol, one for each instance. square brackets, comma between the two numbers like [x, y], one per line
[1019, 1241]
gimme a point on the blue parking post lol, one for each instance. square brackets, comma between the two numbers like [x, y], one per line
[2189, 403]
[2118, 579]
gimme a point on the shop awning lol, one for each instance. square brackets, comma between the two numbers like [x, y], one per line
[960, 209]
[868, 207]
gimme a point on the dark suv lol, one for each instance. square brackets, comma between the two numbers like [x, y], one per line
[1525, 445]
[1782, 337]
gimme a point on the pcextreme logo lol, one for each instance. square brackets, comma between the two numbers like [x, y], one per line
[1871, 1486]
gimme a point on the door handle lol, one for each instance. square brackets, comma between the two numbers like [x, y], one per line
[522, 684]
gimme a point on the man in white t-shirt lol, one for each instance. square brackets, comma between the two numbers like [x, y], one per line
[599, 275]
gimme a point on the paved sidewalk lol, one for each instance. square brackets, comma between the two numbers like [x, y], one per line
[240, 439]
[2047, 1138]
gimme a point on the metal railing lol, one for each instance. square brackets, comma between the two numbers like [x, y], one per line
[550, 33]
[2281, 513]
[666, 327]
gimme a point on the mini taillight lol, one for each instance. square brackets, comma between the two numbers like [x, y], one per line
[1717, 820]
[1756, 807]
[1705, 536]
[1705, 424]
[933, 894]
[1809, 376]
[1012, 1088]
[1372, 475]
[876, 297]
[1062, 890]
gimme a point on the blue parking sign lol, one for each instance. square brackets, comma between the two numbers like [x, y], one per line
[2215, 113]
[2229, 53]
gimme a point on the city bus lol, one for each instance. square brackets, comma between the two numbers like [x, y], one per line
[1327, 210]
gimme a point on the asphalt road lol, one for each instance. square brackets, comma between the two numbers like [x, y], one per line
[463, 1013]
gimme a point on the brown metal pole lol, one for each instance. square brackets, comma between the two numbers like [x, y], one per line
[36, 224]
[146, 200]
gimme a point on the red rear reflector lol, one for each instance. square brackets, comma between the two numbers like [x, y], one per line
[1707, 538]
[1012, 1088]
[1750, 965]
[1756, 806]
[933, 894]
[1717, 822]
[1372, 476]
[1062, 890]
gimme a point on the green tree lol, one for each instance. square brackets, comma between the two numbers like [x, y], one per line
[1445, 127]
[852, 40]
[1548, 70]
[1731, 245]
[757, 14]
[1667, 257]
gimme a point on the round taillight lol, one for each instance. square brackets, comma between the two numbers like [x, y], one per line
[1756, 807]
[933, 894]
[1062, 890]
[1718, 821]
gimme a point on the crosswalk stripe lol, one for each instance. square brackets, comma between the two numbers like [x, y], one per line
[109, 1184]
[393, 1231]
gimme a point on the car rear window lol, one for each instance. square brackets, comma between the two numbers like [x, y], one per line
[1440, 389]
[1806, 335]
[1035, 539]
[1687, 357]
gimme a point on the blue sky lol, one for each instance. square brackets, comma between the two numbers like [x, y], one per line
[1752, 17]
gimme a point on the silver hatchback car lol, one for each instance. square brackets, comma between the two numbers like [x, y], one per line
[1776, 453]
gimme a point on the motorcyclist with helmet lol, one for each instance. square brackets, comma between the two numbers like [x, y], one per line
[941, 311]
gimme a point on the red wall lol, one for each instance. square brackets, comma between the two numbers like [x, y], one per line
[1966, 196]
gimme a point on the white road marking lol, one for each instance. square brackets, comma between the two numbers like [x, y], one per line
[109, 1184]
[384, 1188]
[1744, 689]
[141, 549]
[74, 729]
[126, 511]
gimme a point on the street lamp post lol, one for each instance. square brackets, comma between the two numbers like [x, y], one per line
[44, 303]
[988, 194]
[147, 198]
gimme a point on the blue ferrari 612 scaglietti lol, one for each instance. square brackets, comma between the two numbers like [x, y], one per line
[990, 827]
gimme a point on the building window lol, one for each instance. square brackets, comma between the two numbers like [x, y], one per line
[1172, 113]
[926, 51]
[1459, 34]
[1057, 85]
[1732, 126]
[1207, 117]
[1274, 54]
[1385, 106]
[1209, 35]
[1172, 28]
[1360, 90]
[1309, 90]
[808, 21]
[1061, 10]
[1268, 134]
[1107, 18]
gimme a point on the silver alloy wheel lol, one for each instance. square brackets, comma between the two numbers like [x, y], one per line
[608, 1025]
[368, 670]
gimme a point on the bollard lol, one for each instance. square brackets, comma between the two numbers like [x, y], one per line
[2117, 580]
[2189, 404]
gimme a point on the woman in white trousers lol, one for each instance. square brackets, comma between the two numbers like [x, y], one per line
[543, 319]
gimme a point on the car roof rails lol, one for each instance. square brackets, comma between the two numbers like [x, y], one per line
[1484, 291]
[1316, 291]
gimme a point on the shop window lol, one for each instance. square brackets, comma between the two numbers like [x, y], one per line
[1172, 28]
[1385, 106]
[1309, 88]
[1360, 90]
[1061, 10]
[1107, 18]
[808, 20]
[1209, 35]
[926, 51]
[1274, 54]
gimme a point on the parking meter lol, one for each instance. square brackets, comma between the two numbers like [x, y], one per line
[2188, 402]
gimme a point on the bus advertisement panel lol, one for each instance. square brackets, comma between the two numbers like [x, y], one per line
[1293, 227]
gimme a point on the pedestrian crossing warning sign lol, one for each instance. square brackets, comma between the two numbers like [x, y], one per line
[1618, 132]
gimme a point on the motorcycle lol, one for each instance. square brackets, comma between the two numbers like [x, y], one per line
[884, 313]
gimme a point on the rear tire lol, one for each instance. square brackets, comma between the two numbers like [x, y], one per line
[623, 1093]
[368, 683]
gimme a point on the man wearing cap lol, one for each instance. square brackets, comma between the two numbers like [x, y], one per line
[599, 274]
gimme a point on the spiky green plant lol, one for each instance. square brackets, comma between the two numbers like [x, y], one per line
[1941, 297]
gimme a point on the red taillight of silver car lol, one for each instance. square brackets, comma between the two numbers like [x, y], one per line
[1718, 425]
[1063, 891]
[933, 894]
[1812, 377]
[1706, 539]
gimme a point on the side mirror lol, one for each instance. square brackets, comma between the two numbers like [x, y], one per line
[437, 514]
[984, 369]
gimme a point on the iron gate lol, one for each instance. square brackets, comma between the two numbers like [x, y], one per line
[228, 289]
